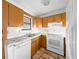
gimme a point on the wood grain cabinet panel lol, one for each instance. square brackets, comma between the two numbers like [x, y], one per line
[39, 22]
[34, 21]
[54, 18]
[33, 48]
[64, 19]
[57, 18]
[43, 41]
[4, 25]
[51, 19]
[35, 45]
[15, 16]
[45, 22]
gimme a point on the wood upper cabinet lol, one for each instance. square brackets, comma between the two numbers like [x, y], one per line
[57, 18]
[15, 16]
[45, 22]
[51, 19]
[54, 18]
[34, 21]
[64, 19]
[37, 22]
[35, 45]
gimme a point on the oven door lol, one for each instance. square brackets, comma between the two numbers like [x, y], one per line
[55, 43]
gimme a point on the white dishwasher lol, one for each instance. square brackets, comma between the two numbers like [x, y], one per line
[23, 50]
[20, 50]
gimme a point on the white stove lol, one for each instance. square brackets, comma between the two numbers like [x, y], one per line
[55, 39]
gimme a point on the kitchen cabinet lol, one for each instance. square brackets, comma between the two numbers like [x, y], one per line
[37, 22]
[51, 19]
[57, 18]
[43, 41]
[45, 22]
[35, 45]
[54, 18]
[34, 21]
[4, 25]
[64, 19]
[15, 16]
[4, 19]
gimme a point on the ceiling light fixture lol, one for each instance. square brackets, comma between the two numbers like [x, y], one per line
[45, 2]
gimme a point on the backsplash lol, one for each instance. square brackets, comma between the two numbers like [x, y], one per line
[59, 29]
[13, 29]
[19, 29]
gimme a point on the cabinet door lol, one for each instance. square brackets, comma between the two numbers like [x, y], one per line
[15, 16]
[64, 18]
[57, 18]
[33, 48]
[35, 45]
[4, 25]
[50, 19]
[39, 22]
[43, 41]
[34, 21]
[45, 22]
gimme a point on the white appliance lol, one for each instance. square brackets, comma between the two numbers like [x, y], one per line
[23, 51]
[19, 50]
[55, 38]
[55, 43]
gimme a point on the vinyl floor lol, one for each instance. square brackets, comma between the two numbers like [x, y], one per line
[45, 54]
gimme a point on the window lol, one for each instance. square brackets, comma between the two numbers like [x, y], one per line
[27, 23]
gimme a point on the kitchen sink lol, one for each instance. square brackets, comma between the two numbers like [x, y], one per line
[31, 35]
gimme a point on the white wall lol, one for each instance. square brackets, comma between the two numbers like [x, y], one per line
[71, 29]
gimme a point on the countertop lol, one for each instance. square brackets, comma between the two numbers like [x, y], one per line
[21, 37]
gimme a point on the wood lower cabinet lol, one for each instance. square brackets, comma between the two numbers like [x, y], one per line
[35, 45]
[43, 41]
[33, 48]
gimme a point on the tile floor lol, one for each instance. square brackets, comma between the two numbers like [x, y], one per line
[44, 54]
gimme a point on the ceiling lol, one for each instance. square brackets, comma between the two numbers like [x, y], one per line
[36, 8]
